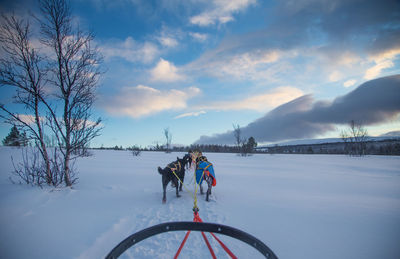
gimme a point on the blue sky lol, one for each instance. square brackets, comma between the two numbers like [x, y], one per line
[197, 67]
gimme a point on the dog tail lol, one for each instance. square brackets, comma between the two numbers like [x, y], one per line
[160, 170]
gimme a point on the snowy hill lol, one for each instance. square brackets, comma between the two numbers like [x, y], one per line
[301, 206]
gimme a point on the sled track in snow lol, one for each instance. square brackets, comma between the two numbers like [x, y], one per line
[163, 245]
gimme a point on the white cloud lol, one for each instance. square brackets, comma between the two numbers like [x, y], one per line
[168, 41]
[249, 65]
[199, 36]
[387, 55]
[190, 114]
[347, 58]
[349, 83]
[79, 124]
[375, 71]
[203, 19]
[130, 50]
[382, 61]
[261, 102]
[28, 119]
[169, 37]
[166, 72]
[335, 76]
[143, 101]
[220, 12]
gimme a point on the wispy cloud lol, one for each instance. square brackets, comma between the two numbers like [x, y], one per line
[349, 83]
[140, 101]
[169, 37]
[189, 114]
[252, 65]
[168, 41]
[375, 71]
[201, 37]
[335, 76]
[382, 61]
[28, 119]
[220, 12]
[130, 50]
[261, 102]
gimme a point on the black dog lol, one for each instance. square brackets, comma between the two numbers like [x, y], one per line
[168, 176]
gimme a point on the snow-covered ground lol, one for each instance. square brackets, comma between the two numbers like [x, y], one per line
[301, 206]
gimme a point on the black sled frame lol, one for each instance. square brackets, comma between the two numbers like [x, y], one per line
[192, 226]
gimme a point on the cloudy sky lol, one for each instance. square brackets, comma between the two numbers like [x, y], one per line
[280, 69]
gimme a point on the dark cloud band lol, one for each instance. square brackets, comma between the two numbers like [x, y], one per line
[375, 101]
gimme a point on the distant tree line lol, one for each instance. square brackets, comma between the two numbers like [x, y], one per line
[248, 148]
[162, 148]
[383, 147]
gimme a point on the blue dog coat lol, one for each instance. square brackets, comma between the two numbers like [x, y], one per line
[208, 170]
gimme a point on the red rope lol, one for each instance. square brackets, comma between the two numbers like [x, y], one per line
[182, 244]
[224, 247]
[208, 245]
[198, 219]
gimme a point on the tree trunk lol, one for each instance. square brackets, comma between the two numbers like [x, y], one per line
[67, 177]
[49, 176]
[67, 139]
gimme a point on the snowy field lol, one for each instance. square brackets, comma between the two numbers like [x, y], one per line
[301, 206]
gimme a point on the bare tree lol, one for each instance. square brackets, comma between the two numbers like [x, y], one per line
[355, 138]
[136, 150]
[237, 133]
[168, 138]
[74, 71]
[21, 68]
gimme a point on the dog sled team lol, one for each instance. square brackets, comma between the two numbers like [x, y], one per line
[174, 172]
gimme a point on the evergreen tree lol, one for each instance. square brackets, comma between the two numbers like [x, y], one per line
[13, 138]
[252, 144]
[24, 141]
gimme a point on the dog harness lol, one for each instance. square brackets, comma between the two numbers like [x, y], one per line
[208, 170]
[175, 166]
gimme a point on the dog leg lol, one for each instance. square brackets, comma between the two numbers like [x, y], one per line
[164, 183]
[201, 189]
[164, 199]
[181, 183]
[209, 188]
[177, 188]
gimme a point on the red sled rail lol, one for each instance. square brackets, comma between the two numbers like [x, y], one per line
[191, 226]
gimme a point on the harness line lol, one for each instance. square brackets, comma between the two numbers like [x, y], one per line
[187, 189]
[198, 219]
[184, 185]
